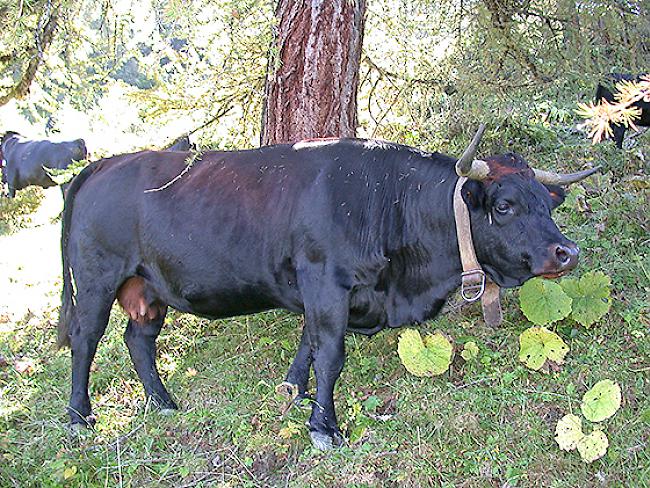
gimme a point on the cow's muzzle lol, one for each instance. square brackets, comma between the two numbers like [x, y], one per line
[562, 259]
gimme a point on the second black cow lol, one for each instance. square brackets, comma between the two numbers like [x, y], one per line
[24, 160]
[357, 235]
[605, 93]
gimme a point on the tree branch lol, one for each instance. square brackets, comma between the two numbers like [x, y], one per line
[35, 55]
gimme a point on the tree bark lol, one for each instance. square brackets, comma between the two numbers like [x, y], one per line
[313, 74]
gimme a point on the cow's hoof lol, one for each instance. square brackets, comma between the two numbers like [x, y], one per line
[162, 404]
[76, 418]
[76, 430]
[325, 442]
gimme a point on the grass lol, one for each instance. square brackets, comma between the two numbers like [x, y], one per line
[488, 422]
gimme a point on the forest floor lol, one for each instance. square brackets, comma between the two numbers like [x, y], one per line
[486, 422]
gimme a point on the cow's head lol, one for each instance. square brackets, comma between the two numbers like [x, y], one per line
[510, 207]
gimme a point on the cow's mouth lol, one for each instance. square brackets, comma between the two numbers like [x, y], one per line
[552, 276]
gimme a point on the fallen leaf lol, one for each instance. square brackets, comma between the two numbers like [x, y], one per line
[537, 345]
[593, 446]
[602, 401]
[569, 432]
[24, 365]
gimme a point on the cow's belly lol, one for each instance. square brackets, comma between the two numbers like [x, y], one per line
[210, 290]
[234, 302]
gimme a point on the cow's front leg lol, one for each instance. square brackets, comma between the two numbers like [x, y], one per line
[326, 318]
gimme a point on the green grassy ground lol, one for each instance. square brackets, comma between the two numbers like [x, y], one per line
[489, 422]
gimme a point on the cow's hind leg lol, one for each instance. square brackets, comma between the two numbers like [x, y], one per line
[87, 327]
[141, 338]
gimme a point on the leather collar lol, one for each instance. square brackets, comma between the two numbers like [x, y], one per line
[475, 283]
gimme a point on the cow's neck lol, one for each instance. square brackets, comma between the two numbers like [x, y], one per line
[425, 268]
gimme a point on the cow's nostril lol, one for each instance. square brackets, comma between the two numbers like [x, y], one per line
[562, 255]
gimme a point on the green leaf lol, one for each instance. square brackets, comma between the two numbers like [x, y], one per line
[538, 345]
[69, 472]
[590, 295]
[543, 301]
[356, 433]
[568, 432]
[428, 357]
[602, 401]
[371, 403]
[593, 446]
[470, 351]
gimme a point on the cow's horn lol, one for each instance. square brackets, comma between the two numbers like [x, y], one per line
[474, 169]
[550, 178]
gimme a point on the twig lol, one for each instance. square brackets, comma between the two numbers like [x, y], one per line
[221, 113]
[482, 380]
[196, 481]
[549, 393]
[250, 473]
[123, 437]
[640, 370]
[190, 161]
[119, 463]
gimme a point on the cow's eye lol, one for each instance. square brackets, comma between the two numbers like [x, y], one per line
[503, 208]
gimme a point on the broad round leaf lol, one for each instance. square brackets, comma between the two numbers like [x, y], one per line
[538, 344]
[544, 301]
[470, 351]
[602, 401]
[428, 357]
[590, 295]
[593, 446]
[569, 432]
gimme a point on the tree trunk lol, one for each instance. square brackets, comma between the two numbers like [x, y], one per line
[311, 84]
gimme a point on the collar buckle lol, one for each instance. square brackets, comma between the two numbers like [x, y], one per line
[472, 284]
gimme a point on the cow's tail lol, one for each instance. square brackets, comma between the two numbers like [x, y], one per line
[68, 293]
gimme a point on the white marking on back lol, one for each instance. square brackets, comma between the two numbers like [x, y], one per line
[371, 144]
[315, 143]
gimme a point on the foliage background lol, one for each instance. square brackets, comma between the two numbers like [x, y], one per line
[128, 74]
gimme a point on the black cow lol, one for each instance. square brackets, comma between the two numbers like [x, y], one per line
[358, 235]
[605, 93]
[181, 144]
[25, 159]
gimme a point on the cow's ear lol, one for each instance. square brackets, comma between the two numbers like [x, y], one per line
[473, 194]
[557, 195]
